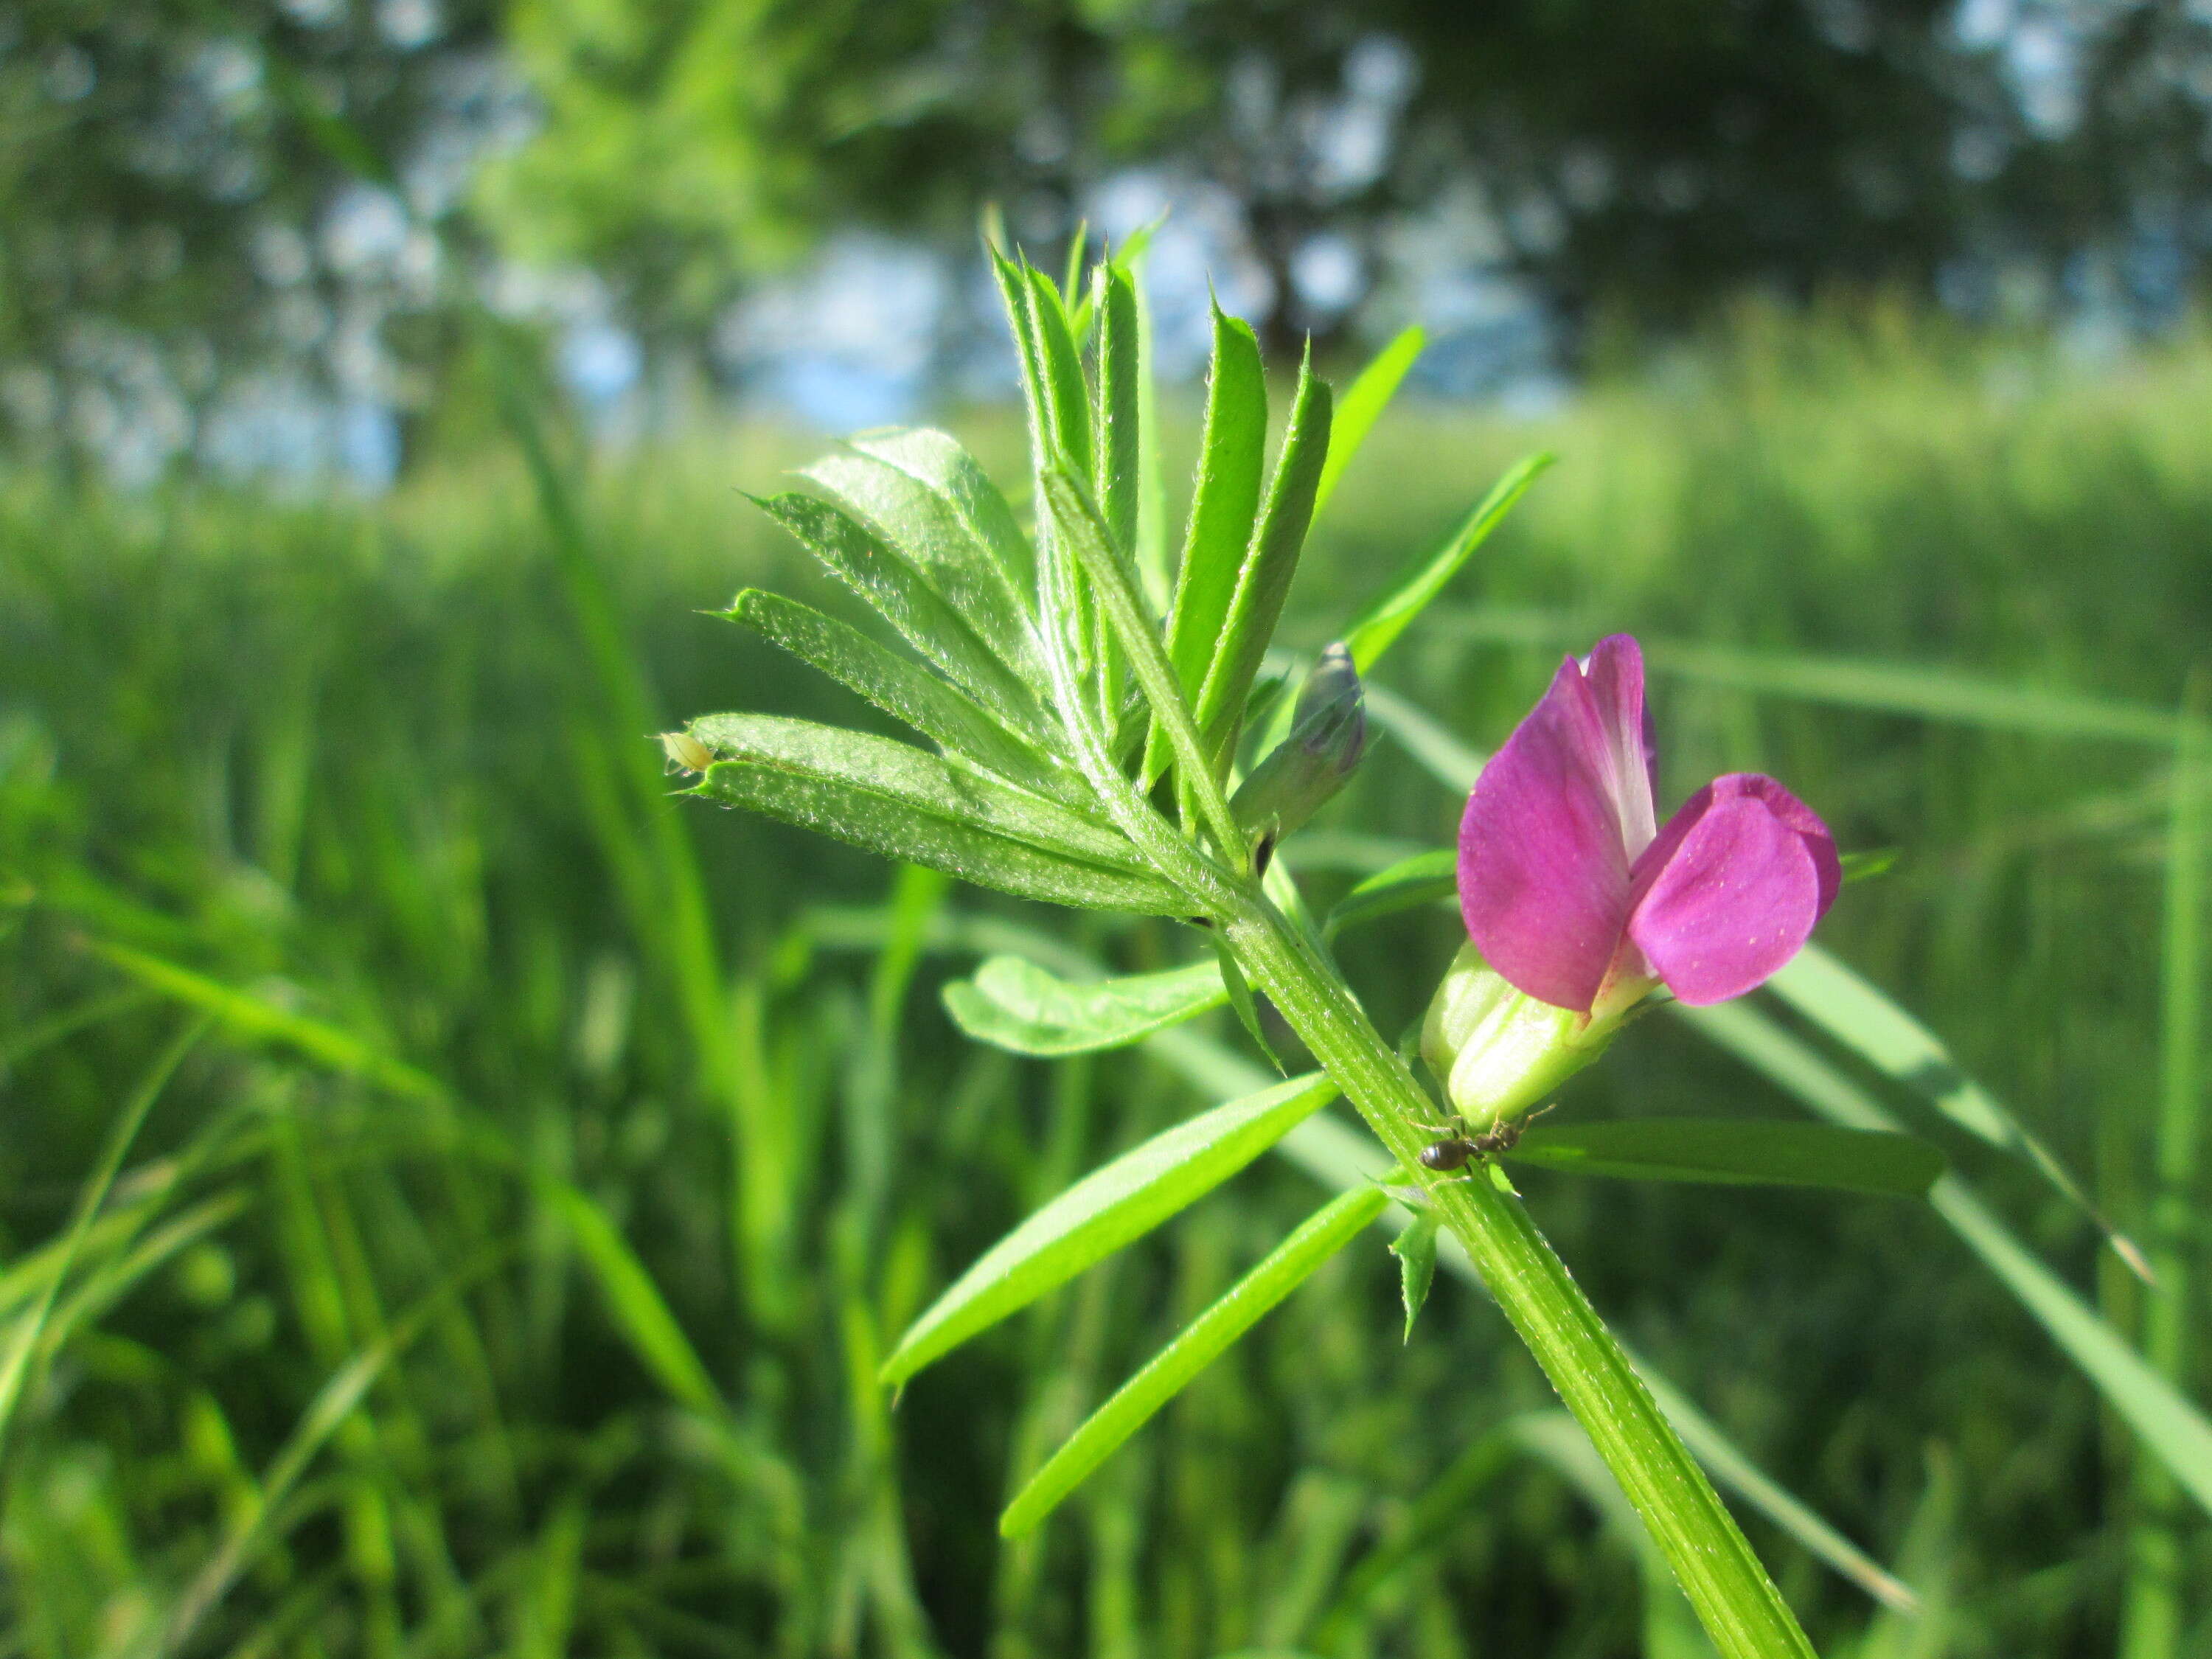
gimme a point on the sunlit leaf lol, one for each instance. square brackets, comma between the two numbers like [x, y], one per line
[1363, 404]
[1013, 1004]
[1115, 484]
[1077, 529]
[938, 461]
[1263, 579]
[1104, 1212]
[1379, 626]
[1425, 879]
[1231, 459]
[1737, 1152]
[944, 549]
[905, 691]
[1198, 1346]
[1067, 405]
[904, 803]
[1070, 275]
[859, 558]
[1014, 296]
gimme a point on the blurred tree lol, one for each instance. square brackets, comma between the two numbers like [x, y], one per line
[203, 203]
[193, 196]
[1652, 154]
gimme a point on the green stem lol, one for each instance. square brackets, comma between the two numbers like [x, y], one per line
[2154, 1609]
[1741, 1608]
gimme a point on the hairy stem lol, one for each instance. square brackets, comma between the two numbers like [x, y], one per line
[1741, 1608]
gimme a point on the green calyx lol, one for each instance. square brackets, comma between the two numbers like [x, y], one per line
[1497, 1050]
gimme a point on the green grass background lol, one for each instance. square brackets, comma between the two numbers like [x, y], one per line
[469, 1290]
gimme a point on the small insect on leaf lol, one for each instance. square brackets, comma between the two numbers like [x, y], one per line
[686, 752]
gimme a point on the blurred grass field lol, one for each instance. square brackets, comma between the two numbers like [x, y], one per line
[473, 1286]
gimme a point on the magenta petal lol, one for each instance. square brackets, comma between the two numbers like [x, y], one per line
[1543, 868]
[1732, 887]
[1614, 677]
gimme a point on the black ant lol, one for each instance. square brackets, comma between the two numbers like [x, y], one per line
[1458, 1146]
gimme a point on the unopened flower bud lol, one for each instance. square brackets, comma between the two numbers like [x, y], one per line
[1497, 1050]
[1329, 735]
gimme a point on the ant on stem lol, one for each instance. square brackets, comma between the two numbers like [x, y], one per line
[1457, 1145]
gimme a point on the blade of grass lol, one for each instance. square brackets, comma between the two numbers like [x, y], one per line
[1441, 754]
[2172, 1428]
[2153, 1609]
[1195, 1347]
[1378, 628]
[1859, 1016]
[332, 1406]
[1423, 880]
[15, 1371]
[672, 921]
[641, 1312]
[1938, 694]
[248, 1016]
[1426, 1524]
[1741, 1152]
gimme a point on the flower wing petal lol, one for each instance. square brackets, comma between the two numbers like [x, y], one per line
[1543, 871]
[1732, 887]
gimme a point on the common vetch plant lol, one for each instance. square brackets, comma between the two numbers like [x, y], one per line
[1112, 732]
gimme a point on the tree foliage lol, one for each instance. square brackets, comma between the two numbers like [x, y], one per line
[1651, 153]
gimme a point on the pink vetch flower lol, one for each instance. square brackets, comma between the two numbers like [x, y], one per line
[1573, 892]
